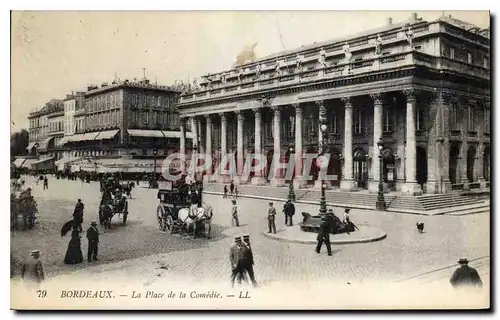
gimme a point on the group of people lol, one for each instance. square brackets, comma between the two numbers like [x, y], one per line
[44, 180]
[74, 253]
[241, 259]
[232, 189]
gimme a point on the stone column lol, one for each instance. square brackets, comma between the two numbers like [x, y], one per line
[480, 150]
[411, 186]
[223, 178]
[347, 182]
[239, 146]
[208, 146]
[277, 179]
[299, 182]
[182, 148]
[258, 179]
[377, 135]
[464, 146]
[201, 145]
[437, 161]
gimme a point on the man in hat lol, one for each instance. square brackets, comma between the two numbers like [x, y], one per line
[78, 215]
[236, 259]
[32, 271]
[234, 213]
[346, 215]
[93, 238]
[465, 276]
[248, 259]
[271, 217]
[324, 235]
[289, 211]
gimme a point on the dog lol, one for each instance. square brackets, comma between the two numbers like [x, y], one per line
[420, 227]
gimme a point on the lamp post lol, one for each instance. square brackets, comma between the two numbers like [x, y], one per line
[322, 203]
[291, 192]
[380, 205]
[154, 182]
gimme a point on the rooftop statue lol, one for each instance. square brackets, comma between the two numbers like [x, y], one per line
[347, 51]
[378, 45]
[409, 36]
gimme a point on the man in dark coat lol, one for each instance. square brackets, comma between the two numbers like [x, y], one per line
[248, 259]
[289, 211]
[465, 276]
[32, 271]
[231, 187]
[78, 215]
[324, 235]
[236, 259]
[271, 218]
[93, 237]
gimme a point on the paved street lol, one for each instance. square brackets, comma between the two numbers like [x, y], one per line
[403, 254]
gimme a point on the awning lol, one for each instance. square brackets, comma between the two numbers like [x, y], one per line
[31, 145]
[19, 162]
[146, 133]
[44, 144]
[67, 160]
[63, 141]
[177, 134]
[91, 135]
[104, 135]
[43, 161]
[27, 164]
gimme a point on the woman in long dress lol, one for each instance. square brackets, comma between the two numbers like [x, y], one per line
[74, 253]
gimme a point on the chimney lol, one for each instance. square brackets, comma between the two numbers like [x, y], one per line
[414, 17]
[389, 21]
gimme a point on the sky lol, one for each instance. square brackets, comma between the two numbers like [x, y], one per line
[56, 52]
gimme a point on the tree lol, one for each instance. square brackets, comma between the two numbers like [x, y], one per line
[19, 142]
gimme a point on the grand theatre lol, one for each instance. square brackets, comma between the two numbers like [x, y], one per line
[413, 95]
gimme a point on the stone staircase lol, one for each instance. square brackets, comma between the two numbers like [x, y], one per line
[452, 203]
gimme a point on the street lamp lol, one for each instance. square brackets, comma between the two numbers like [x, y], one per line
[322, 203]
[291, 193]
[154, 183]
[380, 205]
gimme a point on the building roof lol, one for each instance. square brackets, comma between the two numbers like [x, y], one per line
[115, 85]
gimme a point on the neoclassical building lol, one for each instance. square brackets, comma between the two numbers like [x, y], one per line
[421, 87]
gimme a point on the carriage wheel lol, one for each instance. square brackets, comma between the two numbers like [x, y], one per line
[169, 223]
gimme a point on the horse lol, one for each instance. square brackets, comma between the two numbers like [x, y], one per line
[105, 215]
[194, 214]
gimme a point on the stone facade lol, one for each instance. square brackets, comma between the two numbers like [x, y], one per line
[422, 88]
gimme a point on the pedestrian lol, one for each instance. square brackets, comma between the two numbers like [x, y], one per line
[236, 259]
[465, 276]
[78, 215]
[346, 215]
[225, 192]
[271, 217]
[32, 271]
[231, 187]
[45, 183]
[324, 236]
[74, 253]
[234, 212]
[248, 261]
[289, 211]
[93, 238]
[236, 192]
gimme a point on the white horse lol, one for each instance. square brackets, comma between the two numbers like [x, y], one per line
[194, 214]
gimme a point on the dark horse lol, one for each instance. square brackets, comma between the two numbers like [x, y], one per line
[105, 215]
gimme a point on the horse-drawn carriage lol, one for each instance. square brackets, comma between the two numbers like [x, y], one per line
[112, 203]
[176, 213]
